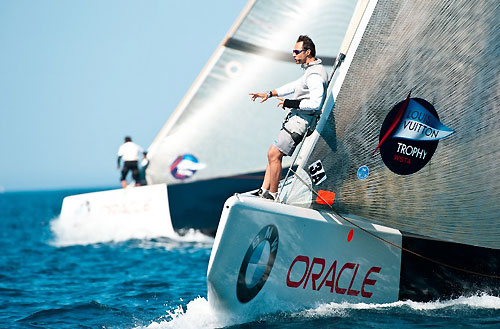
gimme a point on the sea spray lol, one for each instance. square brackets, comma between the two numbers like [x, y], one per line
[91, 230]
[482, 301]
[198, 314]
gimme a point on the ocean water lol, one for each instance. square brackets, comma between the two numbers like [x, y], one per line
[48, 281]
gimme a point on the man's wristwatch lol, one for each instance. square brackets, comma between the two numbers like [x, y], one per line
[270, 93]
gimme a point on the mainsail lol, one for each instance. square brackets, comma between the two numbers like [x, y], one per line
[412, 141]
[216, 131]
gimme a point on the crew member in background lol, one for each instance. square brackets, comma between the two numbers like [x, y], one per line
[144, 166]
[129, 151]
[305, 107]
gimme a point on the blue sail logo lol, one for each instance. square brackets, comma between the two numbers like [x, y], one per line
[419, 124]
[185, 166]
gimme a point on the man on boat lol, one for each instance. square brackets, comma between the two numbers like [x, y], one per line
[144, 166]
[305, 107]
[129, 151]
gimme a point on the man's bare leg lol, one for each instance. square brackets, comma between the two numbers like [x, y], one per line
[274, 157]
[266, 182]
[124, 183]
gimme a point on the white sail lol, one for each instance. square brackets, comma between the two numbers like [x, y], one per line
[216, 124]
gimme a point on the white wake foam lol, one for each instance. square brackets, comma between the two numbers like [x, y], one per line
[340, 309]
[189, 238]
[91, 230]
[199, 314]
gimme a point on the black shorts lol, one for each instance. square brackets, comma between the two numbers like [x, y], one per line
[130, 165]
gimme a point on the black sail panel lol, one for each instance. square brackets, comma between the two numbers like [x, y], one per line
[413, 140]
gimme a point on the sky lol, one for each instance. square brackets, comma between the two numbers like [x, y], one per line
[76, 77]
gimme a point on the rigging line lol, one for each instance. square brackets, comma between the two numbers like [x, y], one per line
[391, 243]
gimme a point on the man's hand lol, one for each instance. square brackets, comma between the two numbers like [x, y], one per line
[264, 96]
[281, 102]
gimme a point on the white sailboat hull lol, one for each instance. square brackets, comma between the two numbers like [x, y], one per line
[115, 215]
[317, 259]
[152, 210]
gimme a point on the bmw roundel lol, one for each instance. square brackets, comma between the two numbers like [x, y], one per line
[257, 264]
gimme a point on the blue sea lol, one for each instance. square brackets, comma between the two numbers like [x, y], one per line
[53, 276]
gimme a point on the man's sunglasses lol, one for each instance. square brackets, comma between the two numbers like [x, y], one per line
[296, 51]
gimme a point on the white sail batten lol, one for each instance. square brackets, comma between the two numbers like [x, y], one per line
[216, 123]
[429, 68]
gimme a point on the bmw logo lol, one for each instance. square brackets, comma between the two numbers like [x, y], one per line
[257, 264]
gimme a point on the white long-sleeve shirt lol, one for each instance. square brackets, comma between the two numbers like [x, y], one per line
[309, 89]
